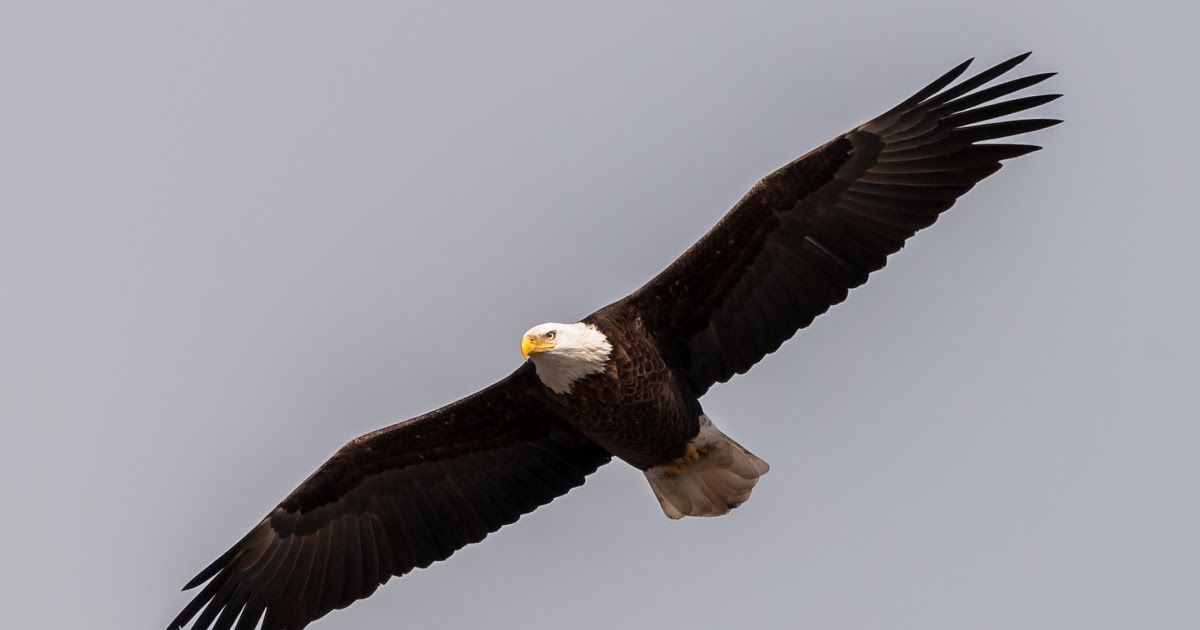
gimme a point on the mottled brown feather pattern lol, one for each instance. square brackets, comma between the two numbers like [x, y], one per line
[636, 408]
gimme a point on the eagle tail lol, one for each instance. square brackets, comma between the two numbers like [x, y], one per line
[716, 475]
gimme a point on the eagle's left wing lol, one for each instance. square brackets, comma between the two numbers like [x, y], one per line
[809, 232]
[399, 498]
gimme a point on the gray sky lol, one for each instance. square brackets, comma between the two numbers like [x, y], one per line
[235, 236]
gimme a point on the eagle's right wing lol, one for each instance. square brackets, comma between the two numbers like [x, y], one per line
[399, 498]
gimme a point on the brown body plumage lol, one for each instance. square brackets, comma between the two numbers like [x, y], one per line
[411, 494]
[638, 409]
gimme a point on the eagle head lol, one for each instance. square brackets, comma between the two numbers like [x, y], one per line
[564, 353]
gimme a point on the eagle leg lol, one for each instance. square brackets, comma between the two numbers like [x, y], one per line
[692, 453]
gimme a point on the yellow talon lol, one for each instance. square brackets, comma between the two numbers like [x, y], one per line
[675, 469]
[691, 453]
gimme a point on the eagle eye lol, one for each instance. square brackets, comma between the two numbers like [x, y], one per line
[551, 334]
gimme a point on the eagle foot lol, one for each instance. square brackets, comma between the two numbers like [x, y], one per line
[675, 469]
[691, 455]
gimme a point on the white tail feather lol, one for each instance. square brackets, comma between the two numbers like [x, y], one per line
[720, 480]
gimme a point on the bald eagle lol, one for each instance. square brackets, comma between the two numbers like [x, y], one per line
[625, 381]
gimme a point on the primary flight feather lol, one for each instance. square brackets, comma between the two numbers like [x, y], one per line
[626, 380]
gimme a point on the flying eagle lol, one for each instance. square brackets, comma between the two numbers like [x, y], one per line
[625, 381]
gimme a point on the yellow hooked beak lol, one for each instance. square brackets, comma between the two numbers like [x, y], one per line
[532, 344]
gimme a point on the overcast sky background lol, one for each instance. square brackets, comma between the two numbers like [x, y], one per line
[234, 236]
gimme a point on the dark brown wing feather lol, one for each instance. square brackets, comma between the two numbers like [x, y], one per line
[809, 232]
[399, 498]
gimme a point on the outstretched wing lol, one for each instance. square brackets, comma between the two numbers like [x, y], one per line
[811, 231]
[389, 501]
